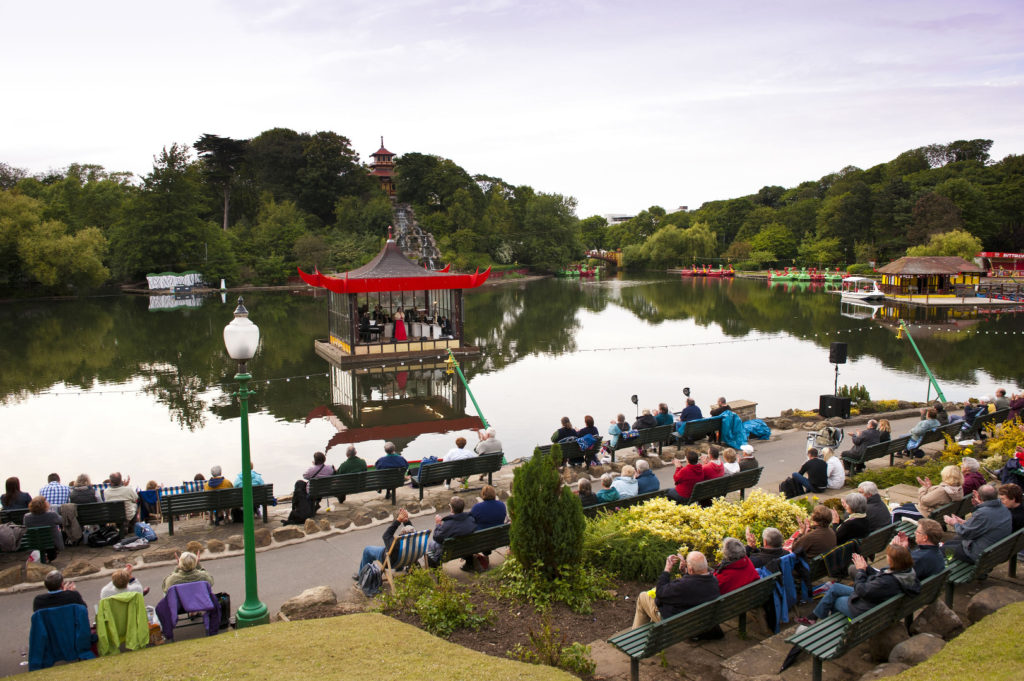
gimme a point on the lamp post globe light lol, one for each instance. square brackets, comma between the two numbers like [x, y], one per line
[241, 338]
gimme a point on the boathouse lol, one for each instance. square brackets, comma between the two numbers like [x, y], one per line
[391, 308]
[931, 276]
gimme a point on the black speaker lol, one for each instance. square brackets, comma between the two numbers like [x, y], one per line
[837, 353]
[830, 405]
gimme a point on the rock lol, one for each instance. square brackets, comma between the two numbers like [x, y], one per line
[502, 494]
[117, 563]
[881, 644]
[318, 596]
[36, 572]
[383, 513]
[194, 547]
[937, 619]
[361, 520]
[412, 507]
[615, 466]
[989, 600]
[310, 527]
[10, 576]
[916, 649]
[343, 524]
[786, 412]
[234, 542]
[158, 555]
[325, 525]
[79, 568]
[287, 533]
[884, 670]
[655, 462]
[262, 537]
[783, 424]
[837, 422]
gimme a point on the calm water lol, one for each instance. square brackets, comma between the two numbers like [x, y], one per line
[109, 384]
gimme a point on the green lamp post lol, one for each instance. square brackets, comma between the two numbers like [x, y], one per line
[241, 338]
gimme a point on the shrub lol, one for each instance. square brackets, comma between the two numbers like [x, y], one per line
[549, 646]
[857, 393]
[577, 586]
[748, 266]
[434, 598]
[860, 269]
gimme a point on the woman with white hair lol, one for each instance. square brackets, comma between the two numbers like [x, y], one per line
[856, 524]
[835, 474]
[736, 570]
[188, 570]
[931, 497]
[973, 479]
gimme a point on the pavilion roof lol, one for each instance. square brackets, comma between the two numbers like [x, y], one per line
[390, 270]
[931, 264]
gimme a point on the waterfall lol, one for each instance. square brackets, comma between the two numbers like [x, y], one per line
[415, 243]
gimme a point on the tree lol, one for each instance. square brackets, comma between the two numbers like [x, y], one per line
[10, 176]
[222, 158]
[933, 214]
[973, 206]
[330, 170]
[273, 160]
[777, 239]
[60, 260]
[592, 231]
[769, 196]
[957, 243]
[18, 215]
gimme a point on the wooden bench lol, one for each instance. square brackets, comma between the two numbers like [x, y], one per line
[705, 490]
[389, 479]
[103, 513]
[960, 507]
[570, 450]
[877, 541]
[988, 419]
[33, 538]
[481, 541]
[697, 429]
[833, 636]
[212, 500]
[654, 637]
[463, 468]
[854, 462]
[1006, 549]
[15, 515]
[591, 511]
[658, 435]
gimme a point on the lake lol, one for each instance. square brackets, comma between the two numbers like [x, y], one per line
[139, 385]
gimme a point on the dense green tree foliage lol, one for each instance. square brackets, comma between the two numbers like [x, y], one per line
[958, 243]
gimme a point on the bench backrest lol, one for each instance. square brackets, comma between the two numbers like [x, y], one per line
[997, 553]
[476, 542]
[872, 622]
[101, 512]
[13, 515]
[709, 489]
[737, 482]
[930, 590]
[353, 483]
[591, 511]
[645, 437]
[699, 428]
[37, 538]
[442, 470]
[212, 500]
[880, 449]
[877, 541]
[569, 449]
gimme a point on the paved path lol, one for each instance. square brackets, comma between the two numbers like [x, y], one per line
[286, 571]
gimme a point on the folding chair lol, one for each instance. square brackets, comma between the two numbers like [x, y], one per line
[412, 548]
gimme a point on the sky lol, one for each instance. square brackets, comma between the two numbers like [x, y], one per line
[620, 105]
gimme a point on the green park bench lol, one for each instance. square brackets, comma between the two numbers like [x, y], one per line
[832, 637]
[705, 490]
[481, 541]
[960, 507]
[877, 541]
[570, 450]
[961, 572]
[897, 445]
[654, 637]
[697, 429]
[657, 435]
[591, 511]
[15, 516]
[103, 513]
[989, 419]
[389, 479]
[212, 500]
[40, 538]
[463, 468]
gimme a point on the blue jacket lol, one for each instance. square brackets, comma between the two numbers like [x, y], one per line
[489, 513]
[690, 413]
[625, 486]
[647, 482]
[391, 461]
[989, 523]
[60, 633]
[454, 525]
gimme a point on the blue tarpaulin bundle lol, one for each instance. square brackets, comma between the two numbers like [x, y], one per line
[757, 428]
[733, 433]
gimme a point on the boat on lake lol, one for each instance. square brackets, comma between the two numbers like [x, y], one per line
[707, 271]
[860, 288]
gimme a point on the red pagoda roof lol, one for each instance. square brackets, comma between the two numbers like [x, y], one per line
[382, 152]
[390, 270]
[387, 171]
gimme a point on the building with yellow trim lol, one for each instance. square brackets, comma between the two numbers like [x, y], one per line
[910, 278]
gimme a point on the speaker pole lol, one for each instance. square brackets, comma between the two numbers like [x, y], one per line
[835, 389]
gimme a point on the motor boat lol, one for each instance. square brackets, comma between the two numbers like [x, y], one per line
[861, 288]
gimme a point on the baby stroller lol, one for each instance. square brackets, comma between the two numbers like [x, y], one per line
[826, 437]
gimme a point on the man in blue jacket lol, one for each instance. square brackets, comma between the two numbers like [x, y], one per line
[990, 522]
[646, 480]
[390, 459]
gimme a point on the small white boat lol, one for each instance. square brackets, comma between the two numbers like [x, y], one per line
[861, 288]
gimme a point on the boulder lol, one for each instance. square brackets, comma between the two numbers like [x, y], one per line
[262, 537]
[118, 563]
[412, 507]
[310, 527]
[318, 596]
[361, 520]
[383, 514]
[79, 568]
[195, 547]
[36, 572]
[325, 525]
[10, 576]
[916, 649]
[655, 462]
[783, 424]
[503, 494]
[343, 524]
[234, 542]
[786, 412]
[287, 533]
[937, 619]
[882, 643]
[884, 670]
[989, 600]
[158, 555]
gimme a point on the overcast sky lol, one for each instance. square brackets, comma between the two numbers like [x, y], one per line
[622, 105]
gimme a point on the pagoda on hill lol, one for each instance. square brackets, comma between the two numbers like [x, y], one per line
[393, 309]
[383, 168]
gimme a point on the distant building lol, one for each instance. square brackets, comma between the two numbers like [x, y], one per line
[616, 218]
[383, 168]
[909, 277]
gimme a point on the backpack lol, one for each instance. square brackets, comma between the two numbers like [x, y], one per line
[104, 536]
[145, 531]
[10, 537]
[586, 442]
[425, 461]
[370, 580]
[225, 609]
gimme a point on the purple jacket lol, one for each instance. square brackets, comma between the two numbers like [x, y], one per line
[189, 597]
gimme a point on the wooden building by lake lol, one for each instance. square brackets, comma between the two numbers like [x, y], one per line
[911, 278]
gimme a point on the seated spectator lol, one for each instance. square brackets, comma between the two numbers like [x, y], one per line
[14, 498]
[121, 581]
[391, 459]
[736, 569]
[691, 412]
[459, 451]
[747, 460]
[878, 513]
[58, 593]
[884, 430]
[720, 408]
[217, 480]
[400, 525]
[815, 535]
[973, 479]
[489, 511]
[490, 444]
[767, 556]
[927, 424]
[856, 524]
[564, 432]
[82, 491]
[663, 417]
[456, 524]
[1016, 406]
[1011, 497]
[607, 492]
[40, 515]
[351, 464]
[1002, 401]
[928, 557]
[319, 469]
[625, 484]
[990, 522]
[940, 413]
[835, 474]
[119, 490]
[869, 588]
[729, 463]
[672, 596]
[646, 480]
[589, 440]
[931, 497]
[55, 493]
[813, 475]
[864, 439]
[585, 492]
[256, 478]
[187, 570]
[645, 420]
[713, 467]
[685, 477]
[616, 429]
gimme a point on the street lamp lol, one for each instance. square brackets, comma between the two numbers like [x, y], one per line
[241, 338]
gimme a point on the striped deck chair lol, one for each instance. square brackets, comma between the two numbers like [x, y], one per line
[412, 548]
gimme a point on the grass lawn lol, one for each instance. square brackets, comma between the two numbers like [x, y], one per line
[364, 646]
[988, 650]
